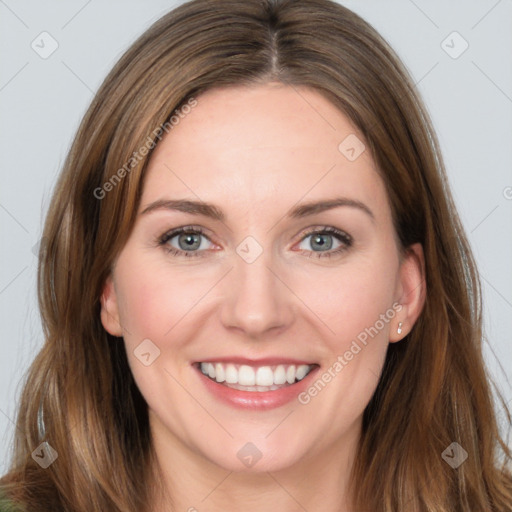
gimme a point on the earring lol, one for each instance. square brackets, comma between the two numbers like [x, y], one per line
[399, 330]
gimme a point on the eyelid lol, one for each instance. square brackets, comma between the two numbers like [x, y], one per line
[342, 236]
[188, 228]
[163, 240]
[331, 230]
[305, 232]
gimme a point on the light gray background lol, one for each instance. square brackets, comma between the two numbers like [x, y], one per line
[43, 100]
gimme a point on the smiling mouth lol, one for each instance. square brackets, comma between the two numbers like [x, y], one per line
[255, 378]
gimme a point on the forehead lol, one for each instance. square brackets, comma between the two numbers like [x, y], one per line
[253, 145]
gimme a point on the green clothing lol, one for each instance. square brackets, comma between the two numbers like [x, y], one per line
[7, 505]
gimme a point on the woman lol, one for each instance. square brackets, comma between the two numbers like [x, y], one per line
[256, 290]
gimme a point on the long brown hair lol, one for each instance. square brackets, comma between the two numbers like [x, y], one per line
[79, 394]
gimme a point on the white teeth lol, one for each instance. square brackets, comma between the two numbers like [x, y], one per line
[264, 376]
[290, 374]
[231, 374]
[279, 375]
[254, 388]
[220, 374]
[259, 378]
[246, 376]
[302, 371]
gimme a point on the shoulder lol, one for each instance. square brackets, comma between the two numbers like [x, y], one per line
[7, 505]
[17, 496]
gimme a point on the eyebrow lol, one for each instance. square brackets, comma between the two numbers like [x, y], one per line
[214, 212]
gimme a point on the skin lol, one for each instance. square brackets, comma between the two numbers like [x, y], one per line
[256, 152]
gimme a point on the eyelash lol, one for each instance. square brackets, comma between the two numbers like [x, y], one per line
[339, 235]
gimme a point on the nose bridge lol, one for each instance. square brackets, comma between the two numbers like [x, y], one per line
[256, 299]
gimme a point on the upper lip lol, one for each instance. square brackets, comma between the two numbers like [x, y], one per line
[267, 361]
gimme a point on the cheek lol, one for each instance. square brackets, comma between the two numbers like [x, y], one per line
[143, 310]
[352, 298]
[356, 309]
[161, 302]
[149, 301]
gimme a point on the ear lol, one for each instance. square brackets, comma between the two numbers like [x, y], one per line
[109, 308]
[410, 293]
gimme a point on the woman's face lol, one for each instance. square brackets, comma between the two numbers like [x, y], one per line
[273, 290]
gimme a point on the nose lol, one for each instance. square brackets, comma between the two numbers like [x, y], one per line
[257, 302]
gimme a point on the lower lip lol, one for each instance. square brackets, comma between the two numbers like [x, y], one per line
[256, 400]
